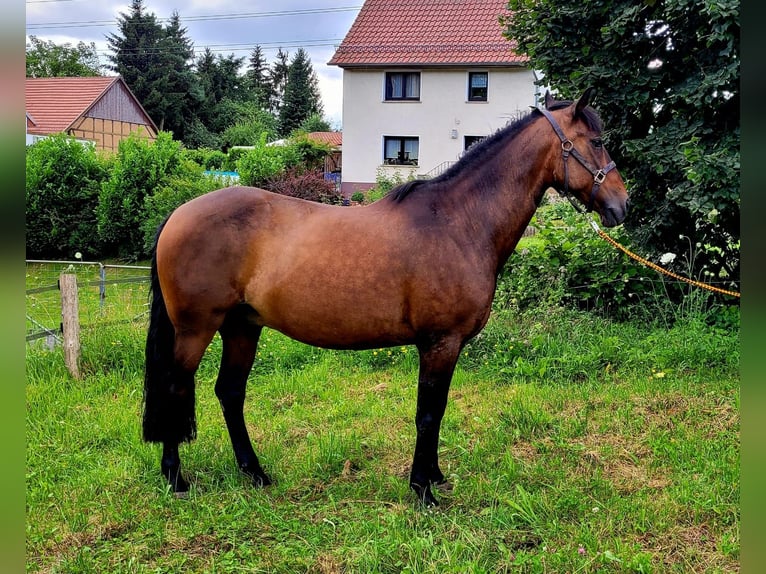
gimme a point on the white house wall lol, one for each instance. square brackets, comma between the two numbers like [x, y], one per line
[440, 119]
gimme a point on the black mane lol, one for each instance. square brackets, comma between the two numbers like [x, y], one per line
[475, 156]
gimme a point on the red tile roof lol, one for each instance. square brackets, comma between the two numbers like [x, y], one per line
[334, 139]
[427, 32]
[56, 103]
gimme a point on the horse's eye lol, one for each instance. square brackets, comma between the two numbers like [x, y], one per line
[597, 143]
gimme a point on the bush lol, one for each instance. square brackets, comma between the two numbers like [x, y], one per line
[310, 185]
[566, 263]
[210, 159]
[176, 192]
[196, 135]
[265, 163]
[63, 180]
[385, 181]
[311, 154]
[232, 158]
[141, 168]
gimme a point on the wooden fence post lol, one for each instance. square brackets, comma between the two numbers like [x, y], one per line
[70, 322]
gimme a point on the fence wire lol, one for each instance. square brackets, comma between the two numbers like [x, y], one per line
[106, 294]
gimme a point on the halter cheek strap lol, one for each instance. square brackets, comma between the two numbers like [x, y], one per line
[567, 149]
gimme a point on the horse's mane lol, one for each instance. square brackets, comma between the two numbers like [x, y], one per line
[477, 154]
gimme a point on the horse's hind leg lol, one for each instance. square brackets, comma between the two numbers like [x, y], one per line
[179, 405]
[240, 341]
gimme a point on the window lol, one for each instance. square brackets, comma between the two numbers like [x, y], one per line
[402, 85]
[477, 86]
[400, 150]
[468, 141]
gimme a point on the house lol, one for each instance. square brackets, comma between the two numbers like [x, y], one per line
[99, 109]
[422, 81]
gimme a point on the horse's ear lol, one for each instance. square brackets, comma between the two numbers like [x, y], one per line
[585, 99]
[548, 100]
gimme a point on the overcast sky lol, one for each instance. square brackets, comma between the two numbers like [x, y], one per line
[224, 26]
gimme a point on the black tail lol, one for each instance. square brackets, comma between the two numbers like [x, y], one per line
[168, 399]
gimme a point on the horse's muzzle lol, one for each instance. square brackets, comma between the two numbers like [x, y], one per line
[614, 213]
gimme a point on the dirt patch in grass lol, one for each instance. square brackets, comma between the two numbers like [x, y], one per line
[621, 460]
[690, 549]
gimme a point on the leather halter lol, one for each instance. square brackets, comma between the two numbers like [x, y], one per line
[567, 148]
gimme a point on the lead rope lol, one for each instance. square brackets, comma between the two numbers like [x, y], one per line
[656, 267]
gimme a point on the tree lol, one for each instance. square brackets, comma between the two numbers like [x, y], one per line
[137, 57]
[156, 63]
[258, 78]
[248, 130]
[222, 86]
[668, 78]
[301, 97]
[314, 123]
[46, 59]
[278, 73]
[182, 91]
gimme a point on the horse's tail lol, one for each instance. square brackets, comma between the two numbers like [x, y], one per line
[168, 414]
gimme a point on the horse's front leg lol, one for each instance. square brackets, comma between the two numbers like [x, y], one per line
[437, 364]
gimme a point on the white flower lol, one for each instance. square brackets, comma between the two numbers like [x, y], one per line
[667, 258]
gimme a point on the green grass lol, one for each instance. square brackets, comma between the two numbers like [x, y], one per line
[574, 444]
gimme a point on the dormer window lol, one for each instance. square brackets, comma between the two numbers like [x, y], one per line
[402, 86]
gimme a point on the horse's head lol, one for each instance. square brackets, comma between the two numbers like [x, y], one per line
[583, 167]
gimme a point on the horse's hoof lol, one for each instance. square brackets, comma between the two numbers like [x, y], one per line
[425, 497]
[178, 486]
[260, 480]
[429, 500]
[183, 494]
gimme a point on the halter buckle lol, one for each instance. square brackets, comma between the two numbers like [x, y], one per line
[599, 177]
[567, 145]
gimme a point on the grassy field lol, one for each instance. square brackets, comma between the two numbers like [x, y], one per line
[574, 444]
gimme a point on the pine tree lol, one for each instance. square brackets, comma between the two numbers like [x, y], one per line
[301, 97]
[183, 93]
[137, 56]
[278, 73]
[258, 78]
[222, 86]
[156, 64]
[205, 72]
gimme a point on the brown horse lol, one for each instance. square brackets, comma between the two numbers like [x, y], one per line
[423, 272]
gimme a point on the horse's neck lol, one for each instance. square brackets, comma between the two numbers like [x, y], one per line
[502, 197]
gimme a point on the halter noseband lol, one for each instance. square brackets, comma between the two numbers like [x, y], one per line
[567, 148]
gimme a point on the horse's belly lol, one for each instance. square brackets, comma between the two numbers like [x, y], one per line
[339, 324]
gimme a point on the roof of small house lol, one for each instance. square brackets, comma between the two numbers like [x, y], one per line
[54, 104]
[428, 32]
[334, 139]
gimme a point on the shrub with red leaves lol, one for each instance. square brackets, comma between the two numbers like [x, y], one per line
[310, 185]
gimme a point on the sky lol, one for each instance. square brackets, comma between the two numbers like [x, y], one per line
[224, 26]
